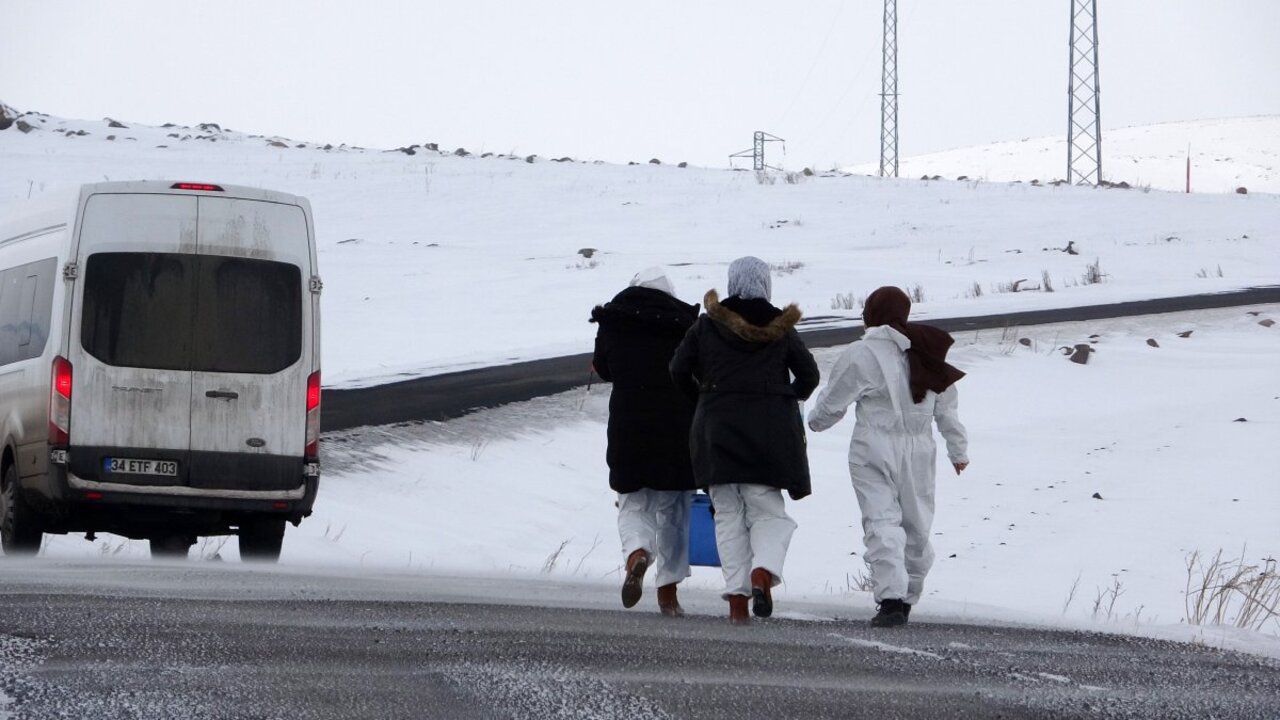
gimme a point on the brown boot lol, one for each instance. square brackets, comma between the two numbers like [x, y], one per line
[738, 610]
[633, 583]
[761, 592]
[667, 602]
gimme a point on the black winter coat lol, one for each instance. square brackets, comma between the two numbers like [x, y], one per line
[738, 361]
[649, 418]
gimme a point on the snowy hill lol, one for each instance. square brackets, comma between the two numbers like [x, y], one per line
[435, 260]
[467, 260]
[1225, 154]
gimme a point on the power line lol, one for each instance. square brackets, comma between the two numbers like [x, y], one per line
[831, 26]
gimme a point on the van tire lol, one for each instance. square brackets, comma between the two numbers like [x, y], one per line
[171, 547]
[260, 540]
[20, 532]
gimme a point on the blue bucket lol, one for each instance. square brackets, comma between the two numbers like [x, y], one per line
[702, 533]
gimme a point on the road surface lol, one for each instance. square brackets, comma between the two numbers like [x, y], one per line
[205, 640]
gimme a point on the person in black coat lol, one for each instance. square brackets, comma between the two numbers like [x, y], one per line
[649, 420]
[748, 369]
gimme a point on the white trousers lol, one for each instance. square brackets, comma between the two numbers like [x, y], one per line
[657, 521]
[753, 530]
[896, 495]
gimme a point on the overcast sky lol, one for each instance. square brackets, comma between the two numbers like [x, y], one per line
[602, 79]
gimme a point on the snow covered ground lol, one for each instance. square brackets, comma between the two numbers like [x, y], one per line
[434, 262]
[1225, 154]
[1152, 430]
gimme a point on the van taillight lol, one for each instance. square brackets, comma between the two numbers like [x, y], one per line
[60, 403]
[195, 186]
[313, 416]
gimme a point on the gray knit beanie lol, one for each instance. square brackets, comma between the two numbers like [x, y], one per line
[749, 278]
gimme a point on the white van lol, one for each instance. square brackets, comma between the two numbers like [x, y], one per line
[159, 366]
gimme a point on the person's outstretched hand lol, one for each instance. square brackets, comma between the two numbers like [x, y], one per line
[960, 467]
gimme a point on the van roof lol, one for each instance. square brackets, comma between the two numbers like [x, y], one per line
[49, 209]
[153, 187]
[58, 207]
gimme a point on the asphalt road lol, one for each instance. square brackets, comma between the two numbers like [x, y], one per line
[203, 640]
[451, 395]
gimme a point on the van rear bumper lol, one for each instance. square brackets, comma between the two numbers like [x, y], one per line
[74, 504]
[183, 491]
[214, 474]
[75, 493]
[291, 504]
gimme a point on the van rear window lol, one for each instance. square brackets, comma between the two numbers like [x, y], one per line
[207, 313]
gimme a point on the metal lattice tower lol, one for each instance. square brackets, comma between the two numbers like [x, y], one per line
[889, 92]
[1084, 119]
[756, 153]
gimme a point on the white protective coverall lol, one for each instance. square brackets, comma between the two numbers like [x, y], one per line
[657, 521]
[892, 456]
[753, 530]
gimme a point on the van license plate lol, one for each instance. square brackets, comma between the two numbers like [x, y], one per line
[131, 466]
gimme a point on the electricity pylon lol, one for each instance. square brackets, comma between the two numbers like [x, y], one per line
[1084, 119]
[889, 92]
[756, 153]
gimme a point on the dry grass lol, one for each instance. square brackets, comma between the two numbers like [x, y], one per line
[846, 301]
[1228, 591]
[1104, 603]
[786, 267]
[1093, 274]
[860, 581]
[1071, 594]
[554, 558]
[211, 547]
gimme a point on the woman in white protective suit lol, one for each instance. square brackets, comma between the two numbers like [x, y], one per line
[899, 378]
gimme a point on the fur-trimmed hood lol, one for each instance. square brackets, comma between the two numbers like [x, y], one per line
[775, 330]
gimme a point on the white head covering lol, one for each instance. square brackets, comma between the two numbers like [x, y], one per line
[749, 278]
[654, 278]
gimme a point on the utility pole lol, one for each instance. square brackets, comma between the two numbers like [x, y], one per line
[756, 153]
[889, 92]
[1084, 121]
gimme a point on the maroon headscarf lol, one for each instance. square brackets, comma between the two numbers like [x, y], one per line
[927, 356]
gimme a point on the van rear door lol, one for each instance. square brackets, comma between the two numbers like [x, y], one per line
[132, 382]
[252, 345]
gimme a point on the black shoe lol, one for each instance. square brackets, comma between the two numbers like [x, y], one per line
[761, 593]
[906, 609]
[893, 613]
[761, 603]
